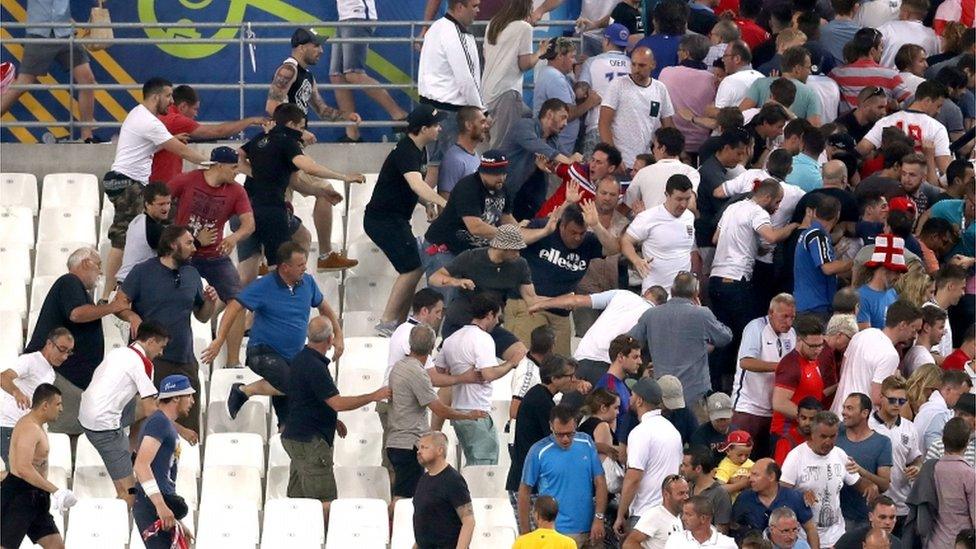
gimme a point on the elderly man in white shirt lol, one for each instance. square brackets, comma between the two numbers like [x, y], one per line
[21, 379]
[740, 76]
[449, 74]
[666, 233]
[108, 406]
[654, 451]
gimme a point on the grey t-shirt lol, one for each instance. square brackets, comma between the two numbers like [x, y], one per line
[503, 279]
[412, 392]
[721, 503]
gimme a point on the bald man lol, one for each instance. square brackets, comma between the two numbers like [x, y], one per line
[634, 107]
[877, 539]
[835, 184]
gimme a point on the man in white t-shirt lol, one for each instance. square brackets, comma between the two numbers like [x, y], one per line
[929, 336]
[141, 135]
[653, 453]
[698, 516]
[819, 469]
[906, 455]
[648, 186]
[919, 123]
[599, 71]
[108, 405]
[666, 233]
[765, 341]
[656, 526]
[621, 309]
[472, 347]
[634, 107]
[872, 354]
[908, 29]
[737, 239]
[740, 76]
[21, 379]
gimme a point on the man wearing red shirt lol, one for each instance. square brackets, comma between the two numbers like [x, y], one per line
[181, 121]
[958, 359]
[206, 200]
[806, 371]
[752, 33]
[604, 161]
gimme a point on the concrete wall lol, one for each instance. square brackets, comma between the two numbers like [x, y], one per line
[41, 160]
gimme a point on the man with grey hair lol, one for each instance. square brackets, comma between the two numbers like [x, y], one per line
[443, 515]
[314, 403]
[679, 335]
[413, 394]
[784, 530]
[69, 305]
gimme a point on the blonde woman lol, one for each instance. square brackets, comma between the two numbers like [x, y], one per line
[915, 285]
[508, 54]
[921, 383]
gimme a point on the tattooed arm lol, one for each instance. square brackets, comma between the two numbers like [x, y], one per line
[326, 112]
[466, 513]
[283, 79]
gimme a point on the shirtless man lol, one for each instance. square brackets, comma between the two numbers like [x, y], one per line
[26, 496]
[294, 83]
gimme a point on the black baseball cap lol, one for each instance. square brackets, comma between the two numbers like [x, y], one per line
[425, 115]
[493, 162]
[305, 36]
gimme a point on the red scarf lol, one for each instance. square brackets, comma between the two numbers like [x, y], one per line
[145, 361]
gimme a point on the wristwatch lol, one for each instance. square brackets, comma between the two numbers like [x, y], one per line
[599, 516]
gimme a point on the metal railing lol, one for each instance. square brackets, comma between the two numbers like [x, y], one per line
[245, 41]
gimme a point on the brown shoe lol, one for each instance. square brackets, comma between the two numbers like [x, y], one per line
[336, 262]
[263, 269]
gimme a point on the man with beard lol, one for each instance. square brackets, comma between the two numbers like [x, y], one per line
[142, 134]
[799, 431]
[294, 83]
[166, 290]
[462, 159]
[870, 452]
[442, 516]
[156, 462]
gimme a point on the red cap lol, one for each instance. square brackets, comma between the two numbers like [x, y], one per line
[902, 204]
[736, 438]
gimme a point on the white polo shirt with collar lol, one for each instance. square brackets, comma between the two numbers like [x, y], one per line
[120, 376]
[654, 447]
[684, 540]
[32, 369]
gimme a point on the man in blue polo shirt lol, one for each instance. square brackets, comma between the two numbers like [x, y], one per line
[554, 467]
[752, 508]
[280, 301]
[815, 269]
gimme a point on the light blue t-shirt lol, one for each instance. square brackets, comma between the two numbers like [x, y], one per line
[835, 34]
[566, 475]
[553, 84]
[805, 105]
[874, 305]
[456, 164]
[280, 313]
[952, 211]
[871, 453]
[806, 173]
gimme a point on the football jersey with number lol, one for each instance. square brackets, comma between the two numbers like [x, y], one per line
[598, 71]
[917, 125]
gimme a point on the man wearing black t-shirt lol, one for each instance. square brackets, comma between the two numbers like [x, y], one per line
[872, 105]
[558, 256]
[69, 304]
[399, 187]
[275, 159]
[442, 511]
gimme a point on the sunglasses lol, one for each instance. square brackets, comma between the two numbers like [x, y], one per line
[898, 401]
[875, 91]
[177, 278]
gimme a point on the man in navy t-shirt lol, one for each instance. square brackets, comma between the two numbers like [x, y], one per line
[558, 255]
[815, 268]
[156, 463]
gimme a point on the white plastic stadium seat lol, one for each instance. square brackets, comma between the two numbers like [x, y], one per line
[366, 293]
[358, 449]
[357, 381]
[372, 260]
[362, 482]
[17, 226]
[490, 538]
[402, 535]
[252, 418]
[278, 469]
[228, 482]
[293, 520]
[234, 449]
[355, 232]
[359, 523]
[19, 189]
[329, 286]
[13, 296]
[364, 420]
[15, 259]
[366, 353]
[40, 286]
[92, 482]
[492, 512]
[485, 481]
[60, 224]
[360, 193]
[52, 258]
[11, 333]
[98, 522]
[359, 324]
[225, 524]
[222, 379]
[71, 190]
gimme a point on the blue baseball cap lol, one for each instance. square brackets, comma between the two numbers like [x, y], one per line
[617, 34]
[175, 385]
[223, 155]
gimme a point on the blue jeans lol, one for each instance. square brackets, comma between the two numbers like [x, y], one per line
[433, 263]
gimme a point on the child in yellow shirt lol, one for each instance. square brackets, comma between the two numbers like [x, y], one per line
[733, 470]
[545, 535]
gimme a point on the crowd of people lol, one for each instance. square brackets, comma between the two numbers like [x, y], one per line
[725, 259]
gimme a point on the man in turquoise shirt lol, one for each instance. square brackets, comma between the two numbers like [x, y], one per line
[806, 165]
[796, 66]
[962, 214]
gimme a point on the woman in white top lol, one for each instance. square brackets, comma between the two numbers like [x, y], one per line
[508, 54]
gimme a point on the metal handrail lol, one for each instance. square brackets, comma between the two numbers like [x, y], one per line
[242, 40]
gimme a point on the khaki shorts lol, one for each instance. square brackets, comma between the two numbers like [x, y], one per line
[310, 474]
[521, 323]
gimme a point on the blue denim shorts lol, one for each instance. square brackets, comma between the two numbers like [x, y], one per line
[350, 56]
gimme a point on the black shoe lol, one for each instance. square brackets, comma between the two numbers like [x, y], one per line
[236, 399]
[347, 139]
[94, 139]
